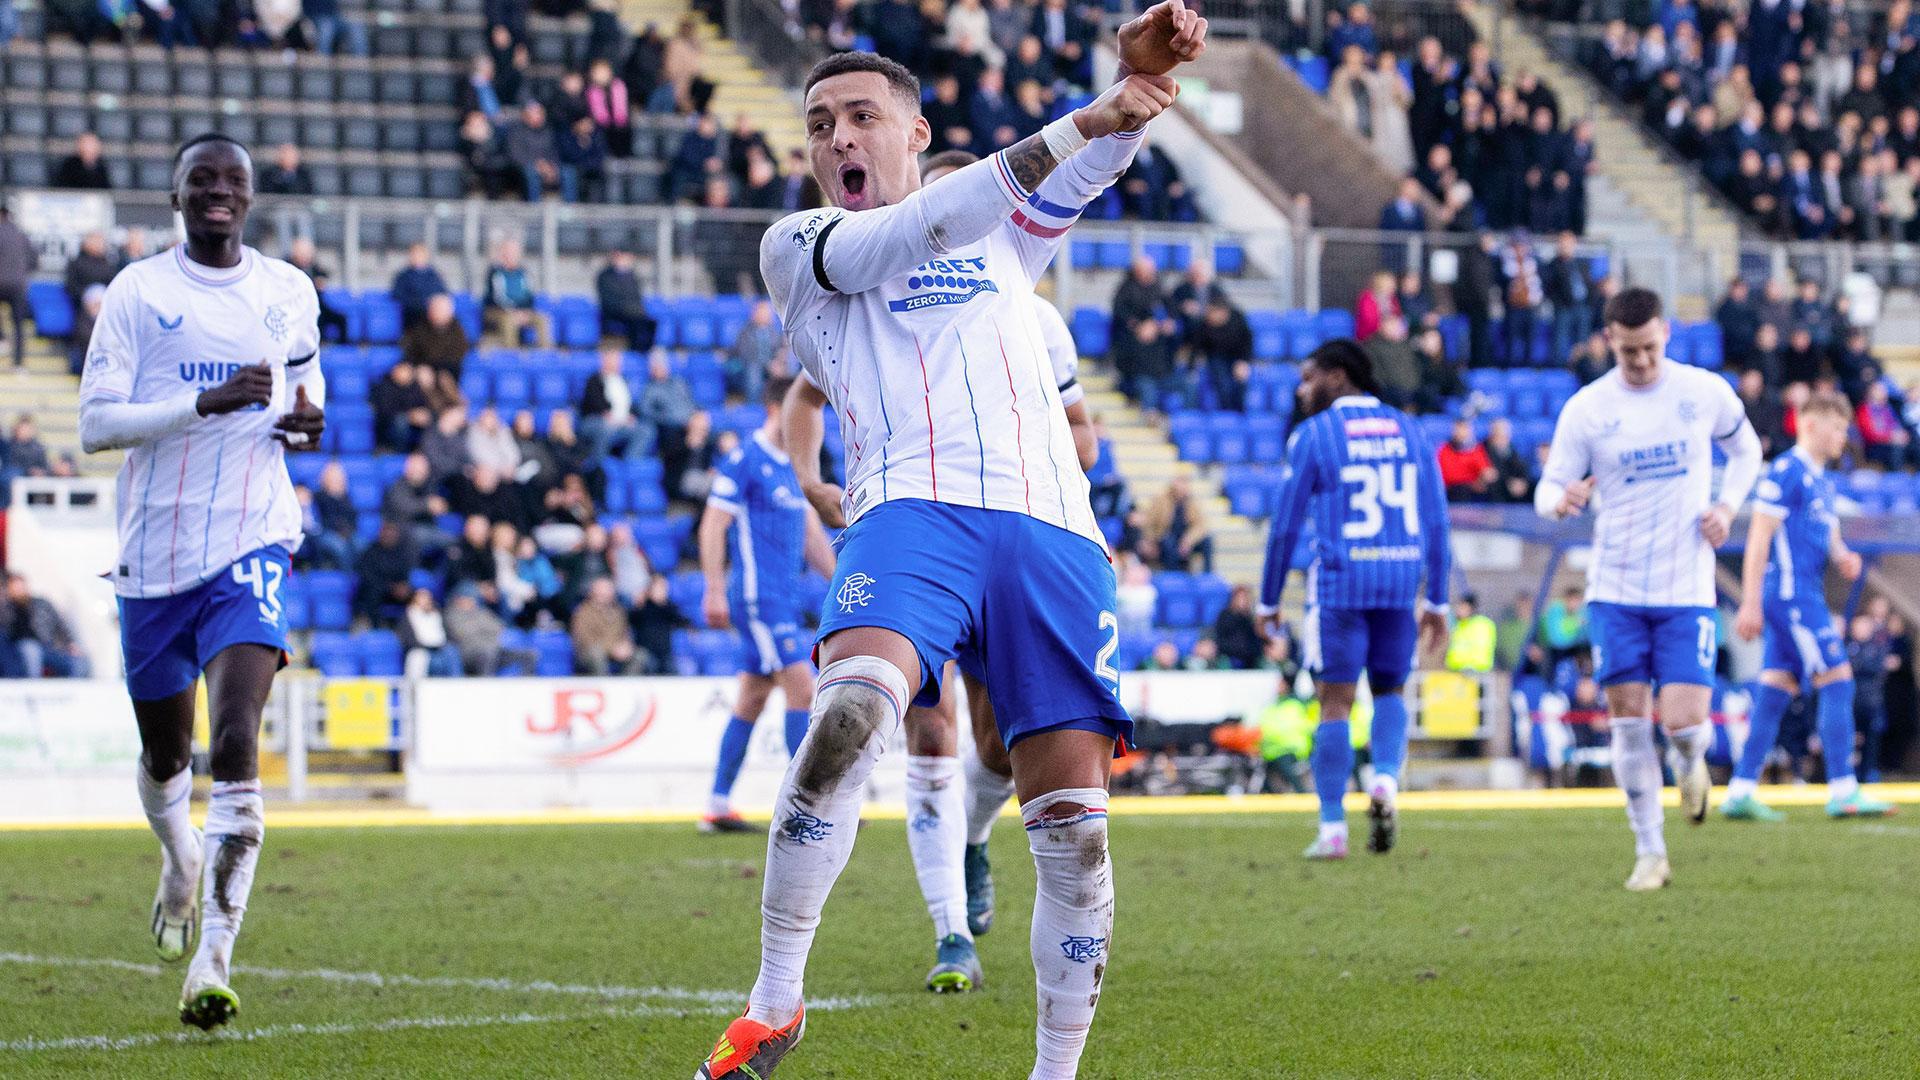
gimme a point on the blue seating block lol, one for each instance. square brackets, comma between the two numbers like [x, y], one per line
[51, 307]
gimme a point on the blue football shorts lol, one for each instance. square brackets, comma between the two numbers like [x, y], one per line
[1343, 642]
[167, 640]
[1655, 645]
[771, 635]
[1800, 638]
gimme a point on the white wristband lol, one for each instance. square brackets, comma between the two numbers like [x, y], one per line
[1063, 138]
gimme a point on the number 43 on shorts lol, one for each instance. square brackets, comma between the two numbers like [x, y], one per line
[263, 577]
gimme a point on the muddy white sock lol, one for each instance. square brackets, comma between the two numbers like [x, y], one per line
[1072, 922]
[987, 795]
[236, 824]
[936, 838]
[856, 708]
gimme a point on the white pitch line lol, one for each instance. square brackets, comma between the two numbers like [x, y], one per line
[727, 999]
[277, 1031]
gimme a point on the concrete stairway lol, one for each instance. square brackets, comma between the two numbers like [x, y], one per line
[45, 390]
[1148, 461]
[741, 87]
[1639, 202]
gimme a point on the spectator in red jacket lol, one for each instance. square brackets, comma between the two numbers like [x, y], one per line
[1880, 429]
[1465, 467]
[1381, 300]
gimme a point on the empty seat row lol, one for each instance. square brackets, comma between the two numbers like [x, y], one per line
[1229, 257]
[264, 123]
[148, 73]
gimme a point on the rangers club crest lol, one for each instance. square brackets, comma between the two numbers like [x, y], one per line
[853, 593]
[803, 828]
[276, 320]
[1083, 950]
[1687, 410]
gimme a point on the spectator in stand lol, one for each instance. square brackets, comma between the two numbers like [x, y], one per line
[1440, 378]
[25, 454]
[1196, 290]
[530, 147]
[1475, 639]
[680, 69]
[760, 350]
[1223, 343]
[1380, 301]
[607, 419]
[415, 286]
[1464, 466]
[42, 643]
[470, 560]
[1739, 321]
[1151, 188]
[1522, 290]
[948, 117]
[654, 620]
[302, 254]
[437, 342]
[1403, 214]
[742, 141]
[1396, 364]
[484, 492]
[1029, 63]
[602, 639]
[623, 309]
[1884, 439]
[339, 519]
[423, 636]
[1148, 371]
[607, 104]
[798, 189]
[1415, 305]
[1177, 530]
[1563, 626]
[478, 633]
[490, 172]
[412, 504]
[1569, 286]
[1138, 300]
[286, 176]
[84, 320]
[1068, 38]
[445, 445]
[1205, 657]
[510, 297]
[1164, 657]
[481, 93]
[1764, 412]
[491, 446]
[400, 411]
[1513, 480]
[18, 260]
[92, 265]
[762, 189]
[83, 168]
[566, 102]
[583, 162]
[381, 575]
[331, 28]
[627, 565]
[1234, 631]
[1869, 651]
[990, 112]
[693, 160]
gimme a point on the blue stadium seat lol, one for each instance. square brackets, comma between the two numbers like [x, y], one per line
[422, 578]
[1212, 591]
[1228, 434]
[556, 653]
[379, 653]
[1334, 322]
[331, 596]
[380, 318]
[1303, 333]
[688, 591]
[334, 655]
[1229, 257]
[511, 389]
[1084, 254]
[1266, 438]
[1178, 601]
[1114, 254]
[516, 639]
[351, 426]
[1091, 331]
[297, 604]
[1314, 71]
[552, 389]
[51, 308]
[1269, 335]
[467, 312]
[1189, 434]
[576, 322]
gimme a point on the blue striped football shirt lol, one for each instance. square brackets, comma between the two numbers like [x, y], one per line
[1366, 474]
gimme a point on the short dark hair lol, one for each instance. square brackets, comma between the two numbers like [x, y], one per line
[1632, 308]
[776, 389]
[947, 159]
[204, 137]
[1346, 355]
[903, 81]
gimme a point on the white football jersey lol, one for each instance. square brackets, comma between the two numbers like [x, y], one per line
[1061, 350]
[1650, 452]
[941, 375]
[193, 502]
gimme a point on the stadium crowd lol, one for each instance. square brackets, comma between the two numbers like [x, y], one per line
[1807, 116]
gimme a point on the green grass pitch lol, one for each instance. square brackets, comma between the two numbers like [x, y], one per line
[1492, 944]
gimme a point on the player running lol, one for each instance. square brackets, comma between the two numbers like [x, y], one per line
[1793, 534]
[969, 527]
[202, 366]
[1364, 473]
[756, 538]
[1638, 444]
[932, 732]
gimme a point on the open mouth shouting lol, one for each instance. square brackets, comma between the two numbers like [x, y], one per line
[853, 187]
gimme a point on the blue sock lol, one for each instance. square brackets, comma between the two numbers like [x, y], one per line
[1836, 727]
[733, 752]
[796, 729]
[1389, 734]
[1332, 761]
[1763, 730]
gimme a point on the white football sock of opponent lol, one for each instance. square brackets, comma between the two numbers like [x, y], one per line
[987, 795]
[1072, 922]
[1636, 765]
[936, 838]
[235, 827]
[170, 815]
[857, 706]
[1689, 746]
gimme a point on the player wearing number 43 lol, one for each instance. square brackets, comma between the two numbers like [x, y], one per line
[1639, 442]
[1370, 482]
[203, 367]
[1783, 589]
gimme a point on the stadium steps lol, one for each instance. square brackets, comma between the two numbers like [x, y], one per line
[1638, 201]
[739, 85]
[1148, 461]
[44, 389]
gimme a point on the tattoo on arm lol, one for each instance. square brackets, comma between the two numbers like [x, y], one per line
[1030, 161]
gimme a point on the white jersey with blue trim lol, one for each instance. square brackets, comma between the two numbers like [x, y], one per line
[1650, 452]
[192, 502]
[933, 353]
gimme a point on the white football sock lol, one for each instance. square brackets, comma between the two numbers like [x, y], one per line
[1689, 746]
[170, 815]
[987, 795]
[936, 837]
[856, 708]
[1072, 923]
[1333, 830]
[235, 827]
[1383, 787]
[1843, 788]
[1636, 766]
[1738, 788]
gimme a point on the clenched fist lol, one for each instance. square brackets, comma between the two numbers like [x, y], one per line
[1126, 105]
[1163, 37]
